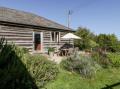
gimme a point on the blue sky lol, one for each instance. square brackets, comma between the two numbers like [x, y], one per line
[100, 16]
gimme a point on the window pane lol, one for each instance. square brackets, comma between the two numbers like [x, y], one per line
[53, 36]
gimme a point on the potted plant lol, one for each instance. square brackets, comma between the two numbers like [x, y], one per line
[51, 51]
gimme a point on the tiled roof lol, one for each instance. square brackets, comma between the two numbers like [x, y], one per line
[16, 16]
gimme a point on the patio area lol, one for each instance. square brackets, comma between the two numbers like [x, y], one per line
[57, 54]
[57, 58]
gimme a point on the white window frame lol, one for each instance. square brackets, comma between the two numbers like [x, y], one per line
[55, 39]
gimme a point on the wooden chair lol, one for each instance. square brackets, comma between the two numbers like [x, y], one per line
[76, 49]
[58, 53]
[70, 51]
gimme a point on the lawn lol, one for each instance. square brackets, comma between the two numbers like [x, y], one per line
[68, 80]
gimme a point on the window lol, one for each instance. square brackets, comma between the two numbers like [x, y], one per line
[55, 36]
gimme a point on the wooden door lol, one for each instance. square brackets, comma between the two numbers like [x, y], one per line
[37, 40]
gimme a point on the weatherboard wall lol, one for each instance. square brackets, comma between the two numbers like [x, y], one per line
[24, 37]
[47, 42]
[17, 35]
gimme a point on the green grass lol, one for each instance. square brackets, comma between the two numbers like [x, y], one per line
[68, 80]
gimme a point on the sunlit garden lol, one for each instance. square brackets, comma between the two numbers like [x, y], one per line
[99, 68]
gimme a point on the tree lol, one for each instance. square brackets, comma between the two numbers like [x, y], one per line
[86, 38]
[108, 42]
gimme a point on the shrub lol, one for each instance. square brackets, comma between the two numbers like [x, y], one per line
[25, 50]
[51, 49]
[20, 70]
[41, 69]
[13, 74]
[101, 58]
[114, 59]
[83, 65]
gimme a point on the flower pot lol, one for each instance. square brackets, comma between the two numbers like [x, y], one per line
[51, 54]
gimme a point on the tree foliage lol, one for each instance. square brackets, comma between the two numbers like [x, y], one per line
[108, 41]
[87, 38]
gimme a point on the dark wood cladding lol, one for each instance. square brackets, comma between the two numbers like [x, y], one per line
[24, 37]
[18, 27]
[18, 35]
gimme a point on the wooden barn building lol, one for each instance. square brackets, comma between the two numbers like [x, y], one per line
[31, 31]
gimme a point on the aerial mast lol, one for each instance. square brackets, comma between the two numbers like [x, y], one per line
[69, 18]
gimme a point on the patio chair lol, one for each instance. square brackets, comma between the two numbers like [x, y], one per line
[76, 49]
[58, 53]
[70, 51]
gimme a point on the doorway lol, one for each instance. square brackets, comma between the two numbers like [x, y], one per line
[37, 41]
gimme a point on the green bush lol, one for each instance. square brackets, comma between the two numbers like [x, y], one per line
[51, 49]
[13, 73]
[101, 58]
[114, 59]
[25, 50]
[41, 69]
[83, 65]
[20, 70]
